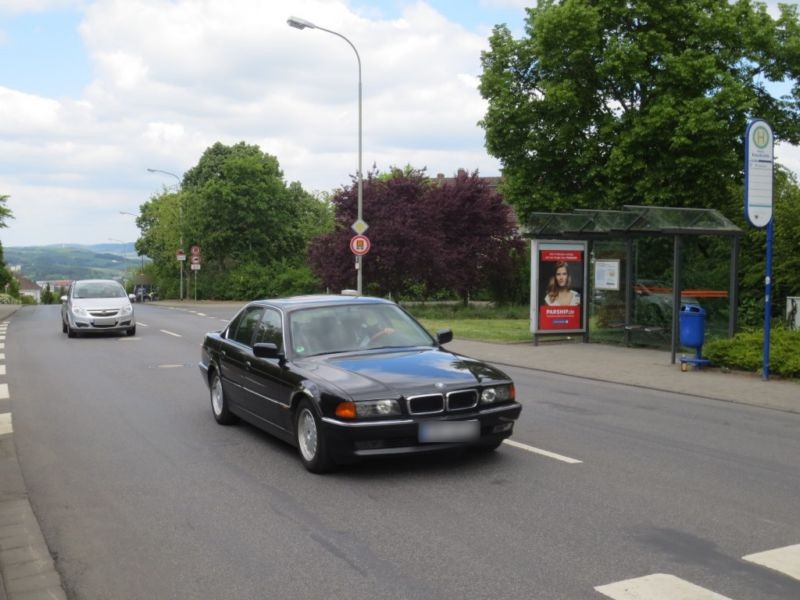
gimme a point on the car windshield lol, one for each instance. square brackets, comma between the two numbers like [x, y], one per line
[330, 329]
[98, 289]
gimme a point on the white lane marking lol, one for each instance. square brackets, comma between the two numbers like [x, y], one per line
[566, 459]
[224, 320]
[2, 337]
[2, 369]
[658, 586]
[4, 391]
[129, 339]
[170, 366]
[202, 315]
[5, 423]
[2, 346]
[2, 356]
[170, 333]
[140, 324]
[784, 560]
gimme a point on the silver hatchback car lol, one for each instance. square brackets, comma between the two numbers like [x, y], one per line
[97, 305]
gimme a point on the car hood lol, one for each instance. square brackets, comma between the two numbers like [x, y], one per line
[100, 303]
[399, 372]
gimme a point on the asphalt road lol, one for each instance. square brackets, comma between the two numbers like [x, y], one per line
[140, 494]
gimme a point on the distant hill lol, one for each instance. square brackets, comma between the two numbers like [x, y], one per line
[73, 261]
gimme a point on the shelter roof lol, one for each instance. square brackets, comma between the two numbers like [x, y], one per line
[631, 221]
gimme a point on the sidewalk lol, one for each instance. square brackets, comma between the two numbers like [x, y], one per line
[639, 367]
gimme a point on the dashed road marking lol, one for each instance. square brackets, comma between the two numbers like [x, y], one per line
[170, 366]
[784, 560]
[659, 586]
[5, 423]
[2, 356]
[2, 369]
[140, 324]
[170, 333]
[4, 391]
[547, 453]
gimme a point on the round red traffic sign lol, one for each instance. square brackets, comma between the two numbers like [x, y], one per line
[195, 250]
[359, 245]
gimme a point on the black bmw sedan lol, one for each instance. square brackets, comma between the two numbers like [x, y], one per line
[343, 377]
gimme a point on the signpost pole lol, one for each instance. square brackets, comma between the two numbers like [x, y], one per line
[758, 181]
[768, 301]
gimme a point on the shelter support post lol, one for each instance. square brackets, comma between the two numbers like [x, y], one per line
[733, 295]
[676, 295]
[629, 295]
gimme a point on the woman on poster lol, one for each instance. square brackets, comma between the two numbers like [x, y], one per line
[558, 291]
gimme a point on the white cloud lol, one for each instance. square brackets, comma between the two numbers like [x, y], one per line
[172, 78]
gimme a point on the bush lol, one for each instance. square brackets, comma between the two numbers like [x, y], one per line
[745, 351]
[8, 299]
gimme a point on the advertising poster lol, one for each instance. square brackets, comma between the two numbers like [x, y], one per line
[558, 273]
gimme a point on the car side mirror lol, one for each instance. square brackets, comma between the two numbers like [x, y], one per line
[268, 350]
[443, 336]
[63, 298]
[132, 297]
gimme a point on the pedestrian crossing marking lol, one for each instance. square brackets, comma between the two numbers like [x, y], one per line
[784, 560]
[658, 586]
[5, 423]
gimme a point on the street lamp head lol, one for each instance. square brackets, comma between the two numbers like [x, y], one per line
[299, 23]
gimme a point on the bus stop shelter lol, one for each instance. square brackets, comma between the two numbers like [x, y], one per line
[634, 222]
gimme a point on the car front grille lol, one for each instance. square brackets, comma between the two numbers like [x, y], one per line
[437, 403]
[426, 405]
[462, 400]
[108, 312]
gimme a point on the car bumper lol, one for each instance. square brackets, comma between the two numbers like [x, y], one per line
[402, 435]
[114, 325]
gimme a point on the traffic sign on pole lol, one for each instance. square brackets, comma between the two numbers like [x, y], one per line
[359, 245]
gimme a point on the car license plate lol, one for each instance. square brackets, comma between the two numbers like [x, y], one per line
[104, 321]
[449, 431]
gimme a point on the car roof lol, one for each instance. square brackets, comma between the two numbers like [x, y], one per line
[96, 281]
[313, 301]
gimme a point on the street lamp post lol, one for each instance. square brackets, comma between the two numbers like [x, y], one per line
[180, 218]
[299, 23]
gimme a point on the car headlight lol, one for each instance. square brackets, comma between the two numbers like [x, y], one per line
[79, 312]
[369, 408]
[498, 393]
[126, 310]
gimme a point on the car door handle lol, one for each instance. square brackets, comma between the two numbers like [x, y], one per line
[247, 364]
[223, 353]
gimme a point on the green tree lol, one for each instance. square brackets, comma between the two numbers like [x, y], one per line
[5, 213]
[237, 207]
[606, 103]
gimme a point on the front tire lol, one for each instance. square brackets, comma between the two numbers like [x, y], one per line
[131, 331]
[219, 404]
[63, 326]
[311, 439]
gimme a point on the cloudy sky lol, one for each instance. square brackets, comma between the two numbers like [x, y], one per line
[93, 93]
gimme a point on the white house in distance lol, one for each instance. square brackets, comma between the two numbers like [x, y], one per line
[29, 288]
